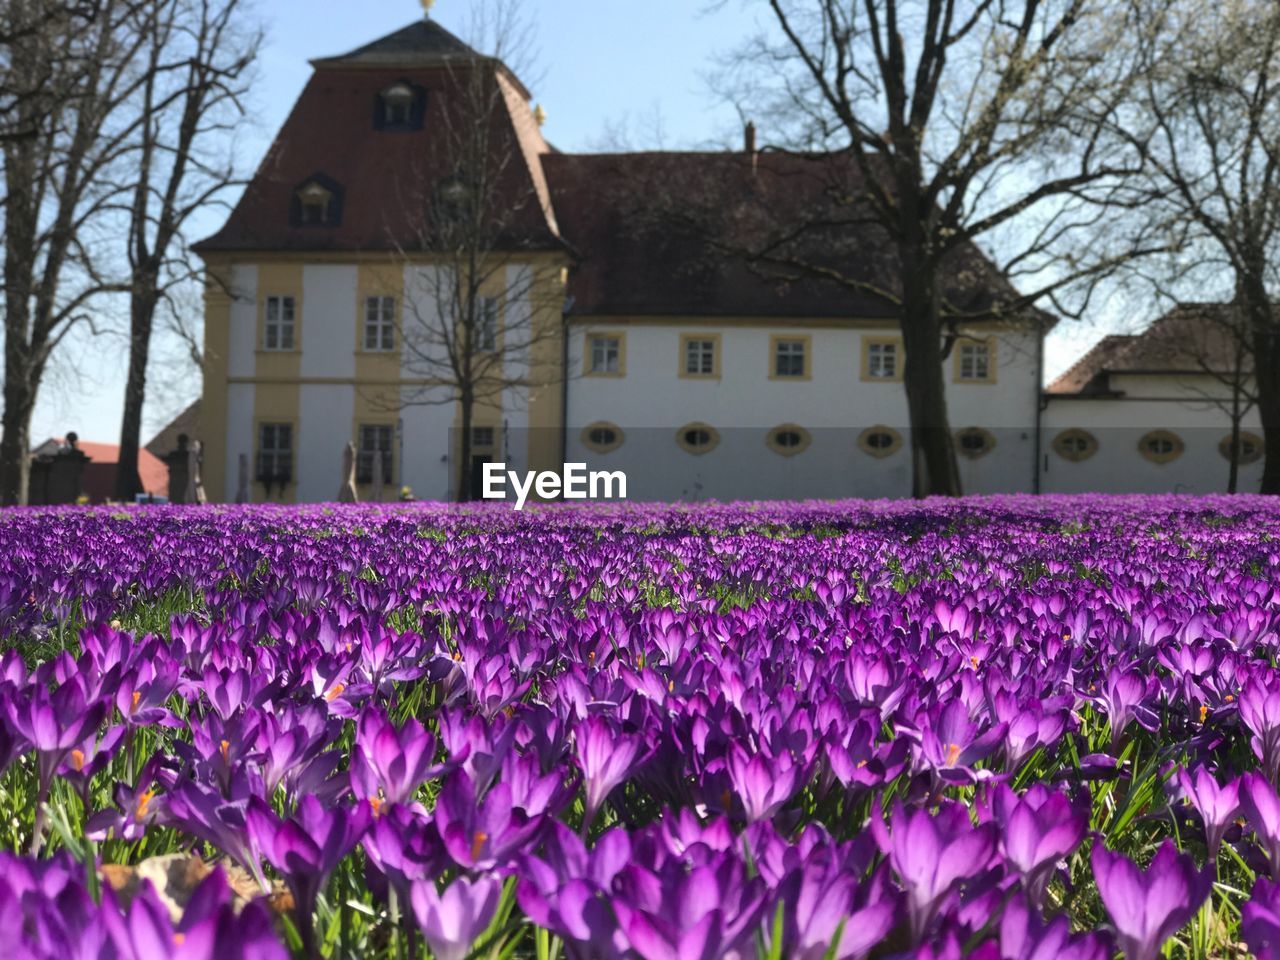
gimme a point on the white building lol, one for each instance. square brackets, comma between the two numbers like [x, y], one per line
[646, 348]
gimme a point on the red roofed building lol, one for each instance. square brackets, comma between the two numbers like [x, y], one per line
[656, 347]
[98, 481]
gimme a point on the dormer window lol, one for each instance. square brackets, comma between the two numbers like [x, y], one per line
[317, 202]
[400, 107]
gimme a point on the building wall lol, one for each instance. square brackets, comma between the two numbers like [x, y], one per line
[651, 400]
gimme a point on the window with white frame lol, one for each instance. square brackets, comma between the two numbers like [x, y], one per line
[375, 452]
[380, 323]
[482, 437]
[882, 360]
[975, 361]
[275, 453]
[699, 357]
[606, 354]
[278, 324]
[487, 324]
[788, 358]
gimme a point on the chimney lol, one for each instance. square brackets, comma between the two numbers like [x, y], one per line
[749, 144]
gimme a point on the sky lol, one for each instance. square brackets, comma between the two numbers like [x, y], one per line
[608, 72]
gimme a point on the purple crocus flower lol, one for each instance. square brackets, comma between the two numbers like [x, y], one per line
[930, 854]
[1260, 920]
[1261, 807]
[1024, 936]
[606, 757]
[762, 785]
[306, 848]
[1260, 711]
[828, 915]
[951, 745]
[1216, 804]
[389, 765]
[1147, 907]
[1038, 831]
[451, 921]
[481, 834]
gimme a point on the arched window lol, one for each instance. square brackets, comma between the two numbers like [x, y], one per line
[1075, 444]
[399, 107]
[1160, 446]
[975, 442]
[880, 441]
[602, 436]
[1251, 447]
[317, 202]
[788, 439]
[697, 438]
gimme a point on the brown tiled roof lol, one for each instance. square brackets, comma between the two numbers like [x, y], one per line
[665, 233]
[423, 42]
[386, 177]
[1191, 338]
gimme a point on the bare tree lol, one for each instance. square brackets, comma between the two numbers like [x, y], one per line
[475, 310]
[195, 75]
[948, 121]
[65, 69]
[1207, 117]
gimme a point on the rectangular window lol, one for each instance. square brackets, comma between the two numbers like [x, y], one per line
[882, 361]
[788, 358]
[375, 447]
[482, 436]
[275, 453]
[974, 362]
[278, 324]
[605, 354]
[699, 357]
[487, 324]
[380, 323]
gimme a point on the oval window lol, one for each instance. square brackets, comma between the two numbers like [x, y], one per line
[974, 442]
[1075, 445]
[788, 439]
[602, 436]
[879, 441]
[697, 437]
[1160, 446]
[1250, 448]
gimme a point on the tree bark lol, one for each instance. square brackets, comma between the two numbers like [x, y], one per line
[1266, 368]
[934, 470]
[466, 406]
[142, 309]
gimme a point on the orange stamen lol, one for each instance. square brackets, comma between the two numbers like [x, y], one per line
[179, 939]
[224, 748]
[376, 804]
[133, 705]
[77, 760]
[144, 801]
[1204, 711]
[335, 692]
[477, 844]
[953, 754]
[973, 661]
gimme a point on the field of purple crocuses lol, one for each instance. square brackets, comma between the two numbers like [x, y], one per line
[1003, 728]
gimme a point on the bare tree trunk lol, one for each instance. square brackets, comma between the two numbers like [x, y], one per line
[15, 442]
[142, 309]
[466, 406]
[1266, 367]
[933, 455]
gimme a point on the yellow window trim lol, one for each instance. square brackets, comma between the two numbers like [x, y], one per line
[1174, 454]
[1075, 456]
[956, 350]
[395, 447]
[986, 435]
[620, 336]
[585, 436]
[1224, 447]
[864, 363]
[262, 322]
[771, 439]
[698, 425]
[362, 305]
[879, 452]
[806, 339]
[681, 370]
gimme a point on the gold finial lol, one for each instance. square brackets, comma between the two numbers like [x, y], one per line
[539, 115]
[426, 8]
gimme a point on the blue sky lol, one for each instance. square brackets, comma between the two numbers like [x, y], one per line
[607, 69]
